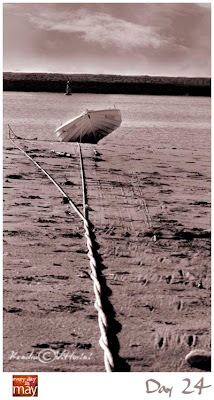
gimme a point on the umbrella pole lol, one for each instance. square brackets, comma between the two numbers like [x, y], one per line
[84, 195]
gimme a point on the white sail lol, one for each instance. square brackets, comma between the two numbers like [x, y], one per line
[91, 126]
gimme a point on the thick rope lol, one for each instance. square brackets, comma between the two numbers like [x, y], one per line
[102, 320]
[84, 201]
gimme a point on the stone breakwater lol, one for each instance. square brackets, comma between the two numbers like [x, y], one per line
[107, 84]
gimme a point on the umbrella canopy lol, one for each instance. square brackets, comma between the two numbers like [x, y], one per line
[90, 127]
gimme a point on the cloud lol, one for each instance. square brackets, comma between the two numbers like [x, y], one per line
[138, 38]
[102, 29]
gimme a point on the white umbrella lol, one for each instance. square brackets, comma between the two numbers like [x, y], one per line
[90, 127]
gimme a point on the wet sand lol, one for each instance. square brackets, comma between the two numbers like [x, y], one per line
[156, 293]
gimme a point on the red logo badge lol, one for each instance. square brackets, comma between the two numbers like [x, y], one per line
[25, 385]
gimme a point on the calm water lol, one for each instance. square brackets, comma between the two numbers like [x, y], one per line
[162, 121]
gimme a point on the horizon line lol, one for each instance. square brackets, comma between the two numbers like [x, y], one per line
[114, 74]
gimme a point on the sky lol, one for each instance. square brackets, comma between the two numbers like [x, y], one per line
[170, 39]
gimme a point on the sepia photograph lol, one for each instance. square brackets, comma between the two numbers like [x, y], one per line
[107, 188]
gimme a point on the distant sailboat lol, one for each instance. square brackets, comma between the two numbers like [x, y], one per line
[68, 89]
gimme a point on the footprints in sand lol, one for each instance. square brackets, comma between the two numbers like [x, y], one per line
[61, 345]
[72, 303]
[69, 303]
[172, 340]
[15, 310]
[178, 278]
[14, 176]
[180, 305]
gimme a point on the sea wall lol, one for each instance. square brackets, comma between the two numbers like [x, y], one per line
[107, 84]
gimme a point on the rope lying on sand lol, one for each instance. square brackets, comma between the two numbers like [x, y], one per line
[102, 320]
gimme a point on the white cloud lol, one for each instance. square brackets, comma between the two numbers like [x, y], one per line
[101, 28]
